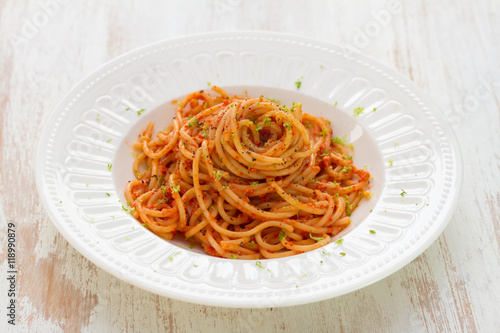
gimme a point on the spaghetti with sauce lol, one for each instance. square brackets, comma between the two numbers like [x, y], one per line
[246, 178]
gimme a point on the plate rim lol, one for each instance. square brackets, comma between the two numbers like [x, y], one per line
[452, 201]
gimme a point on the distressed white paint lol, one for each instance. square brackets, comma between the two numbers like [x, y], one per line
[448, 48]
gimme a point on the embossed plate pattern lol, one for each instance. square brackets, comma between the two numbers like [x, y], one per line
[400, 135]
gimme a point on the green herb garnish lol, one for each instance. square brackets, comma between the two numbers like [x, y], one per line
[357, 111]
[317, 239]
[298, 83]
[128, 209]
[175, 188]
[282, 234]
[218, 174]
[345, 169]
[194, 122]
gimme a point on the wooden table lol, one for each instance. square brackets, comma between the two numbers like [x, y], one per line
[450, 49]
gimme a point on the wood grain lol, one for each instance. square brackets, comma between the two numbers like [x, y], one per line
[448, 48]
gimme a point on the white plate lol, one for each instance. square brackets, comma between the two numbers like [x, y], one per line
[89, 128]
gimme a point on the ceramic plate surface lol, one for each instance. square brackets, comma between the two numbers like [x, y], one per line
[83, 164]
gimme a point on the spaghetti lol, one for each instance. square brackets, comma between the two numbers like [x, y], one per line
[246, 178]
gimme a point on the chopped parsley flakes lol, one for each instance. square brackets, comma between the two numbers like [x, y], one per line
[357, 111]
[345, 169]
[338, 140]
[204, 130]
[175, 188]
[317, 239]
[128, 209]
[282, 234]
[298, 83]
[218, 174]
[259, 264]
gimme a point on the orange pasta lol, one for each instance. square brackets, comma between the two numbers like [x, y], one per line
[246, 178]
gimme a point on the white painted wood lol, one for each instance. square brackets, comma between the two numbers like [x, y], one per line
[448, 48]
